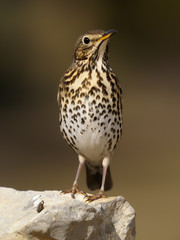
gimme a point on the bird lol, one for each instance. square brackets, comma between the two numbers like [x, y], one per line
[90, 111]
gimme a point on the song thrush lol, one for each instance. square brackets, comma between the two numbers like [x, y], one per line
[90, 118]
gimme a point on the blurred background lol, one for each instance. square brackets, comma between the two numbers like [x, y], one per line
[37, 42]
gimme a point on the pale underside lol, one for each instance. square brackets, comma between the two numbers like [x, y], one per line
[92, 139]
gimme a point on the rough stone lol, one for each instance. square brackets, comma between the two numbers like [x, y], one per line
[49, 215]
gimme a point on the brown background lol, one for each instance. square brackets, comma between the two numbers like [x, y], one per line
[37, 42]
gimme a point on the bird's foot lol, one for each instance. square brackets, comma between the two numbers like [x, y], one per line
[91, 198]
[73, 191]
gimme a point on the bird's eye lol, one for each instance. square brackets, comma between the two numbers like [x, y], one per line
[86, 40]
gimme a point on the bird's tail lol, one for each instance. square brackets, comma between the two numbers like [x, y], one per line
[94, 177]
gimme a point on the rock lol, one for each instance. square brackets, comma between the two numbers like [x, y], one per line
[49, 215]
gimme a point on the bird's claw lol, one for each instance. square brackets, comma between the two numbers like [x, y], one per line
[91, 198]
[73, 191]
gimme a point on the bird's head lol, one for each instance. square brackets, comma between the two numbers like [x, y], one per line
[93, 43]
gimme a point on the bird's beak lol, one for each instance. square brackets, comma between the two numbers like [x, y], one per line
[106, 35]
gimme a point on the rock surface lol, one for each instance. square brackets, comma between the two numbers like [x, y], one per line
[49, 215]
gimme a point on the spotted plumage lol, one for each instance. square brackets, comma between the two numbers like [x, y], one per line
[90, 117]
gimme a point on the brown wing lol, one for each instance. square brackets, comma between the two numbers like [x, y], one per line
[116, 89]
[66, 76]
[60, 88]
[63, 86]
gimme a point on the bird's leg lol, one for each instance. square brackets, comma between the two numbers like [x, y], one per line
[101, 193]
[75, 188]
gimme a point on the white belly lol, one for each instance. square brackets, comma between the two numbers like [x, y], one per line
[94, 134]
[92, 143]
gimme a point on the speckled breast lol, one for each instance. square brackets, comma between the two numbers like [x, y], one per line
[90, 113]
